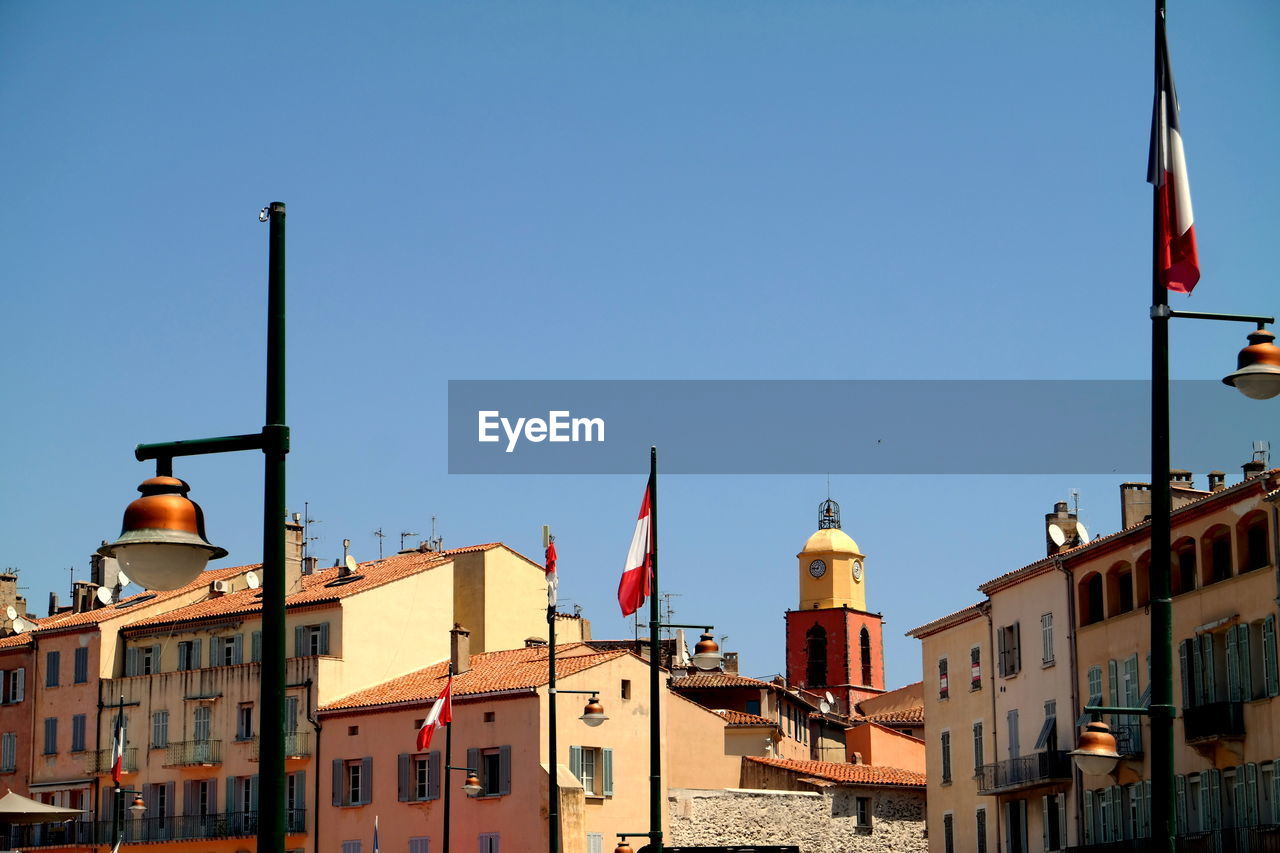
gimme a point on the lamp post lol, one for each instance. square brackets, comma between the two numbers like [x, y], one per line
[471, 785]
[163, 546]
[117, 811]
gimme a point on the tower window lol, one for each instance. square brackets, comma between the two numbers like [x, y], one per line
[865, 643]
[816, 639]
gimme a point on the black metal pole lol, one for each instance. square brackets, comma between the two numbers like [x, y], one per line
[553, 769]
[448, 763]
[655, 687]
[1162, 770]
[271, 822]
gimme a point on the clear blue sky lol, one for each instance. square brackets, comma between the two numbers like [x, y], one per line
[599, 190]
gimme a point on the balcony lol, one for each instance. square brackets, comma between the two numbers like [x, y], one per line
[99, 761]
[1218, 720]
[1029, 771]
[296, 745]
[1128, 738]
[200, 753]
[176, 828]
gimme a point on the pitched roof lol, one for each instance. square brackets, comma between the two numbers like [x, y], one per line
[317, 588]
[901, 715]
[716, 679]
[958, 618]
[492, 672]
[742, 718]
[848, 774]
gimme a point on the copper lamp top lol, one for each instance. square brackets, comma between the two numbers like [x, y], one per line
[164, 506]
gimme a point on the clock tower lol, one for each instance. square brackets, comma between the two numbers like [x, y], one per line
[834, 644]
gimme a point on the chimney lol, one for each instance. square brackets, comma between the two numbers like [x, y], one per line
[1253, 468]
[1135, 504]
[1066, 522]
[1217, 481]
[534, 643]
[731, 663]
[104, 571]
[460, 649]
[1180, 479]
[292, 556]
[9, 593]
[53, 604]
[82, 596]
[309, 565]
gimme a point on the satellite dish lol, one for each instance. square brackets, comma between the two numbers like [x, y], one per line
[19, 625]
[104, 595]
[824, 707]
[122, 579]
[351, 563]
[11, 612]
[252, 580]
[831, 700]
[1056, 534]
[1082, 532]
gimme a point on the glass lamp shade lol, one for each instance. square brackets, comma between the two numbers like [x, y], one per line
[1258, 376]
[138, 806]
[472, 785]
[706, 654]
[162, 544]
[593, 714]
[1096, 755]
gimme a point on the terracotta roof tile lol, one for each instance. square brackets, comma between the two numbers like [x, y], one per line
[742, 718]
[902, 715]
[491, 672]
[14, 641]
[855, 774]
[315, 587]
[716, 679]
[961, 616]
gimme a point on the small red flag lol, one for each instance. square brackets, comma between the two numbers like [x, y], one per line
[441, 714]
[553, 580]
[637, 575]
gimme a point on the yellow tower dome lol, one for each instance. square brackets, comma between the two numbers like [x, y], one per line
[831, 567]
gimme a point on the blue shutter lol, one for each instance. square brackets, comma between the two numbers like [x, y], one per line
[197, 659]
[299, 641]
[1089, 834]
[255, 647]
[1251, 794]
[404, 786]
[1244, 656]
[1269, 668]
[606, 761]
[231, 794]
[131, 661]
[1180, 799]
[575, 762]
[337, 781]
[237, 648]
[324, 638]
[433, 775]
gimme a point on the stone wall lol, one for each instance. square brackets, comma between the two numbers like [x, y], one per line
[819, 822]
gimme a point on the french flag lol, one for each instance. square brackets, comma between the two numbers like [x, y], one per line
[633, 589]
[1176, 257]
[117, 750]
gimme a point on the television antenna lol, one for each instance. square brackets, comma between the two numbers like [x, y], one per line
[307, 521]
[380, 536]
[403, 535]
[436, 542]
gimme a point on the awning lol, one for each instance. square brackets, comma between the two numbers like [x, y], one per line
[15, 808]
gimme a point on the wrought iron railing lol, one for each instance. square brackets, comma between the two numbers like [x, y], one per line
[296, 745]
[1029, 770]
[194, 752]
[1216, 720]
[1245, 839]
[100, 761]
[170, 828]
[1128, 737]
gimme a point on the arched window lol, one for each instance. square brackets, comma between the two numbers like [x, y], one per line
[1215, 553]
[864, 641]
[816, 639]
[1251, 541]
[1091, 599]
[1142, 579]
[1119, 589]
[1183, 576]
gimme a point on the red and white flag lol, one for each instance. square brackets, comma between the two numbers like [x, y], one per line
[637, 575]
[1178, 262]
[441, 714]
[117, 750]
[553, 580]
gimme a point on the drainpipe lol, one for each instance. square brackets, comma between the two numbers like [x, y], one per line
[984, 608]
[97, 744]
[1078, 787]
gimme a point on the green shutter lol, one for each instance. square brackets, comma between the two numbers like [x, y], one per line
[1180, 799]
[324, 638]
[366, 780]
[606, 761]
[1183, 664]
[255, 647]
[1251, 794]
[1210, 676]
[1245, 657]
[1088, 819]
[337, 781]
[1234, 693]
[299, 641]
[1269, 667]
[504, 765]
[575, 762]
[231, 794]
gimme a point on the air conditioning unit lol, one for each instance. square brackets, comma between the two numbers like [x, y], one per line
[222, 586]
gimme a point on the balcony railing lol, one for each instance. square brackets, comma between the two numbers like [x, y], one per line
[174, 828]
[1245, 839]
[1026, 772]
[1128, 738]
[1216, 720]
[296, 745]
[199, 752]
[100, 761]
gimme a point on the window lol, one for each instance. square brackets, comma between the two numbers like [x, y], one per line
[626, 688]
[946, 757]
[244, 721]
[81, 666]
[1054, 821]
[228, 651]
[8, 752]
[1253, 542]
[862, 814]
[975, 668]
[1183, 578]
[1016, 821]
[141, 660]
[1215, 546]
[189, 655]
[977, 747]
[490, 716]
[159, 729]
[948, 833]
[594, 767]
[200, 797]
[1270, 664]
[420, 844]
[864, 643]
[201, 719]
[980, 831]
[52, 662]
[352, 731]
[158, 798]
[15, 685]
[494, 765]
[1091, 599]
[1008, 639]
[51, 736]
[419, 777]
[816, 667]
[943, 685]
[595, 842]
[1046, 639]
[77, 733]
[352, 781]
[488, 842]
[296, 797]
[1047, 740]
[351, 847]
[1095, 695]
[311, 640]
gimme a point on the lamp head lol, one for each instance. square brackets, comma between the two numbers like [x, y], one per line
[472, 785]
[623, 847]
[1096, 755]
[593, 712]
[706, 654]
[162, 542]
[1258, 376]
[138, 806]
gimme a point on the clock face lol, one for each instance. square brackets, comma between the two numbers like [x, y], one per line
[857, 570]
[817, 568]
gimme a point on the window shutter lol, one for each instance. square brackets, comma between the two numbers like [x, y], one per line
[1233, 667]
[1088, 819]
[213, 797]
[337, 781]
[403, 785]
[1180, 800]
[504, 768]
[168, 799]
[1206, 661]
[1245, 657]
[606, 762]
[433, 775]
[366, 780]
[1183, 662]
[1269, 667]
[237, 648]
[197, 659]
[1251, 794]
[575, 762]
[473, 761]
[255, 647]
[1044, 823]
[131, 661]
[300, 791]
[188, 798]
[1002, 653]
[300, 641]
[324, 638]
[1015, 655]
[1139, 794]
[19, 684]
[1215, 798]
[231, 794]
[215, 650]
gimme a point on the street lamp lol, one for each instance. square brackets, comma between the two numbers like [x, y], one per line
[471, 785]
[1096, 755]
[592, 712]
[1258, 376]
[163, 545]
[706, 654]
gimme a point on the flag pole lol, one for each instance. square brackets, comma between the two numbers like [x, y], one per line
[448, 763]
[553, 769]
[655, 695]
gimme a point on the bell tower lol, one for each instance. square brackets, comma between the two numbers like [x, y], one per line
[834, 643]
